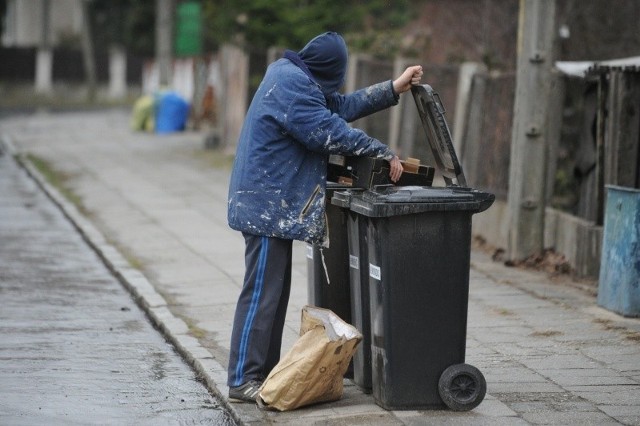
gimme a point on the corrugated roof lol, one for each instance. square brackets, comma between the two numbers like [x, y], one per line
[584, 68]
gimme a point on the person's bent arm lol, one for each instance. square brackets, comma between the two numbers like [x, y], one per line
[374, 98]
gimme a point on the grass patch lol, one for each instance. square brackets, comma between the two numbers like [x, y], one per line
[132, 260]
[545, 333]
[608, 324]
[58, 180]
[216, 158]
[194, 330]
[62, 97]
[503, 312]
[634, 336]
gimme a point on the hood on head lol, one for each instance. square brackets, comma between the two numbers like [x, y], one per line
[326, 58]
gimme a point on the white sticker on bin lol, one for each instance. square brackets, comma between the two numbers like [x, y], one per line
[309, 251]
[374, 272]
[354, 262]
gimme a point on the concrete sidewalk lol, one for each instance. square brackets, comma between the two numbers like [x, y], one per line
[549, 354]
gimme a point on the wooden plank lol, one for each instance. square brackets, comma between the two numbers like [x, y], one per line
[600, 136]
[622, 129]
[628, 94]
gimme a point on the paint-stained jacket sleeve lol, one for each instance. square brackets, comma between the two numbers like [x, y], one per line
[363, 102]
[310, 121]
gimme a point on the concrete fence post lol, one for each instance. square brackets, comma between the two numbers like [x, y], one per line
[44, 71]
[234, 73]
[117, 73]
[463, 98]
[530, 134]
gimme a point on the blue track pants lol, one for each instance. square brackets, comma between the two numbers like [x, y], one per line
[256, 338]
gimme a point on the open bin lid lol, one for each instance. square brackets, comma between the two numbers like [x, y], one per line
[431, 113]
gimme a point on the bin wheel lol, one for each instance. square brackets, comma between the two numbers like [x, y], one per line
[462, 387]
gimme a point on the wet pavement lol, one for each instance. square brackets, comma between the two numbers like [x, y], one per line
[74, 346]
[154, 208]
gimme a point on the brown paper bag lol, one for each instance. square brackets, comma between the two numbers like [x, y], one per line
[312, 370]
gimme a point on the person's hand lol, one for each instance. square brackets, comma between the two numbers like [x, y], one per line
[396, 169]
[410, 77]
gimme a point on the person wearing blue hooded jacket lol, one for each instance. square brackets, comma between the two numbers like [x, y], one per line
[296, 119]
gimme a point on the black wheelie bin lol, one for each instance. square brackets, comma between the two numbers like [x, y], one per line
[330, 276]
[327, 268]
[416, 243]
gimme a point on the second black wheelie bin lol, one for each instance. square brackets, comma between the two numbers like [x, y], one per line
[331, 282]
[416, 242]
[327, 271]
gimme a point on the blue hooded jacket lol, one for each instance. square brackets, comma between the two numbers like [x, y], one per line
[295, 120]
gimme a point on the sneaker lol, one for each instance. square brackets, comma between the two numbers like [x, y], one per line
[247, 392]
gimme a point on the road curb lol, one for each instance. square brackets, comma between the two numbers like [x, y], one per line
[175, 330]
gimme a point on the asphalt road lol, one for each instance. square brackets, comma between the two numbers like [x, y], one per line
[74, 346]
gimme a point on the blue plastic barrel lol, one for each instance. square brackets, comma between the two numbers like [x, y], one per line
[172, 113]
[619, 286]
